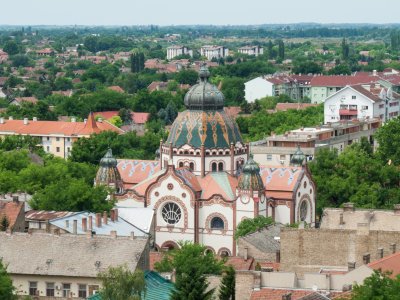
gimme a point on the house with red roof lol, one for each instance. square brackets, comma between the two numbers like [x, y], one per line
[364, 101]
[12, 214]
[56, 137]
[139, 119]
[19, 100]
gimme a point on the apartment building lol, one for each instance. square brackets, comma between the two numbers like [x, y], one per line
[251, 50]
[56, 137]
[360, 102]
[214, 52]
[277, 150]
[174, 51]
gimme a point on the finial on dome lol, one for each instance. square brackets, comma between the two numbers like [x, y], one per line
[204, 73]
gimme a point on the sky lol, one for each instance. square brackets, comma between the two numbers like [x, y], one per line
[189, 12]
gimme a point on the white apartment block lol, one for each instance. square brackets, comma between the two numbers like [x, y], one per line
[214, 52]
[175, 51]
[361, 102]
[251, 50]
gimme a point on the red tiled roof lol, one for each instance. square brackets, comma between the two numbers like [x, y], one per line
[54, 127]
[135, 171]
[137, 117]
[11, 210]
[342, 81]
[26, 99]
[90, 126]
[276, 294]
[239, 264]
[116, 88]
[389, 263]
[44, 215]
[280, 179]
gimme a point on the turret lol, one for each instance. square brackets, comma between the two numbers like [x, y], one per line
[250, 182]
[108, 174]
[298, 158]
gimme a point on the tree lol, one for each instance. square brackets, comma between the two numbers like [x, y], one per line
[11, 48]
[388, 137]
[20, 60]
[345, 49]
[251, 225]
[378, 286]
[6, 287]
[116, 121]
[125, 115]
[187, 76]
[191, 264]
[227, 287]
[120, 283]
[4, 223]
[281, 49]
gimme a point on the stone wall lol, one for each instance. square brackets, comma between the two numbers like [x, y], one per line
[308, 250]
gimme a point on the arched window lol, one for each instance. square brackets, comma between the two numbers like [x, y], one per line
[191, 166]
[221, 166]
[171, 213]
[303, 210]
[180, 164]
[214, 167]
[217, 223]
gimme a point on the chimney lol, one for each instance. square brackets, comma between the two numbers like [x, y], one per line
[1, 120]
[374, 73]
[278, 256]
[351, 265]
[66, 223]
[85, 121]
[15, 199]
[98, 220]
[100, 120]
[26, 121]
[287, 296]
[366, 258]
[116, 214]
[34, 119]
[10, 118]
[132, 235]
[348, 206]
[73, 119]
[396, 209]
[246, 252]
[75, 227]
[113, 234]
[380, 252]
[105, 218]
[90, 223]
[341, 222]
[84, 224]
[393, 247]
[112, 215]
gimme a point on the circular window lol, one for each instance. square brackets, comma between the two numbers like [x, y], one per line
[157, 194]
[183, 195]
[303, 210]
[217, 223]
[170, 186]
[171, 213]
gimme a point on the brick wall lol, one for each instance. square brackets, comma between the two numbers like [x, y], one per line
[244, 285]
[307, 250]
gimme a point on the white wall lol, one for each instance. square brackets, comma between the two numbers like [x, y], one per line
[257, 88]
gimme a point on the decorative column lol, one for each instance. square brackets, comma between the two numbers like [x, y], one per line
[203, 160]
[232, 159]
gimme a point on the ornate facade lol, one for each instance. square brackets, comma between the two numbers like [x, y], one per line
[204, 183]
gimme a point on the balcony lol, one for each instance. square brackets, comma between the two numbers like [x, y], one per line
[348, 112]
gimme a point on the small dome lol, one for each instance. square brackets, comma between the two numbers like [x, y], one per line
[250, 178]
[108, 161]
[297, 158]
[204, 95]
[108, 174]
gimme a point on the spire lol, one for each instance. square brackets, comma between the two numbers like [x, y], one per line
[90, 125]
[250, 178]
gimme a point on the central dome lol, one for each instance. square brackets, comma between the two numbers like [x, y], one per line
[204, 95]
[204, 122]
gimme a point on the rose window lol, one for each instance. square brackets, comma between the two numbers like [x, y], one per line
[171, 213]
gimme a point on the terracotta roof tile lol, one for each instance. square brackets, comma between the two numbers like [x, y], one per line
[389, 263]
[239, 263]
[342, 81]
[11, 210]
[135, 171]
[276, 294]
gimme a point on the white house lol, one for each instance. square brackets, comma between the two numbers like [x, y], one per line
[251, 50]
[214, 52]
[258, 88]
[361, 102]
[175, 51]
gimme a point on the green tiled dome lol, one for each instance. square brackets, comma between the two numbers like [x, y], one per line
[297, 158]
[204, 121]
[250, 178]
[204, 95]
